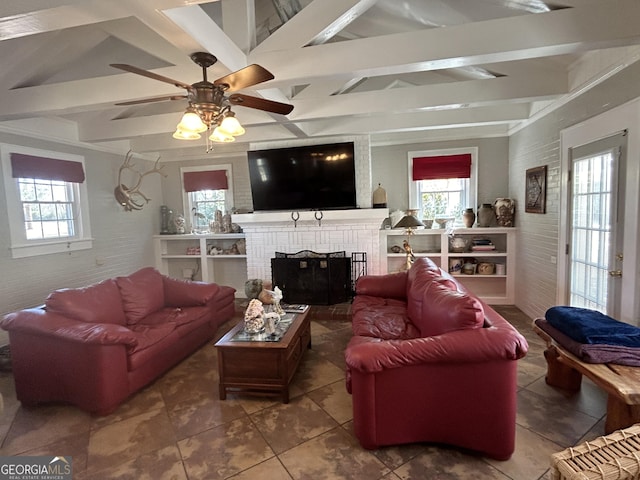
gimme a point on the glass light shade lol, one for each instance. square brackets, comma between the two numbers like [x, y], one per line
[191, 122]
[231, 126]
[184, 135]
[220, 136]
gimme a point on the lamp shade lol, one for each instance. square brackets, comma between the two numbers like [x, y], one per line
[185, 135]
[408, 221]
[230, 125]
[220, 136]
[191, 122]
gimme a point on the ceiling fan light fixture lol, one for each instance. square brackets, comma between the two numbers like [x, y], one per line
[230, 125]
[186, 135]
[221, 137]
[191, 122]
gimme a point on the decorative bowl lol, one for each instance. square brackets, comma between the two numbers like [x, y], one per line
[458, 244]
[444, 222]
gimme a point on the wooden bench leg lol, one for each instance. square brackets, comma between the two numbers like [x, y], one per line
[620, 415]
[560, 375]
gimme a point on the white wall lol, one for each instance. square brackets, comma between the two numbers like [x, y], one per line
[539, 144]
[390, 168]
[121, 240]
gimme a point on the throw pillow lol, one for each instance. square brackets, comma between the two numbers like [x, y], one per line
[98, 303]
[445, 309]
[183, 293]
[142, 293]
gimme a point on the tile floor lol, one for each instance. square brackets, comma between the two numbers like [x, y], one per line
[177, 428]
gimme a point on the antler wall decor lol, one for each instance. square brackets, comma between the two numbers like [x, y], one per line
[131, 198]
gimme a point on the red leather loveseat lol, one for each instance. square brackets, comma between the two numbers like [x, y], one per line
[94, 346]
[430, 362]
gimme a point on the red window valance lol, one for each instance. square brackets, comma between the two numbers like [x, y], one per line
[205, 180]
[42, 168]
[442, 166]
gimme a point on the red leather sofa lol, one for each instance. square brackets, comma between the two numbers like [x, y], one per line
[95, 346]
[430, 362]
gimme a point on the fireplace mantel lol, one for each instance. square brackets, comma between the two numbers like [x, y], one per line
[356, 230]
[327, 217]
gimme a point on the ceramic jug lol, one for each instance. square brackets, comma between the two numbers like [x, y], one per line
[485, 215]
[468, 217]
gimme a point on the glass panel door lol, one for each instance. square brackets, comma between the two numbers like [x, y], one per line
[593, 250]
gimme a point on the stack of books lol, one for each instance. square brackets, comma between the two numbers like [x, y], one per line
[481, 244]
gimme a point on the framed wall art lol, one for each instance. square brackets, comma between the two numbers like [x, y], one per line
[536, 189]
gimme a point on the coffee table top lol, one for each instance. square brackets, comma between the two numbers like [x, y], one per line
[238, 337]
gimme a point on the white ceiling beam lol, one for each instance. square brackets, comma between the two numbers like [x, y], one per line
[469, 93]
[546, 34]
[31, 18]
[84, 95]
[372, 124]
[314, 24]
[199, 26]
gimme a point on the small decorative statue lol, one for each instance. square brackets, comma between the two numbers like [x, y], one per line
[410, 256]
[180, 223]
[277, 298]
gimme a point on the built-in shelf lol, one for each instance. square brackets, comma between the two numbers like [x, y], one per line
[226, 269]
[435, 243]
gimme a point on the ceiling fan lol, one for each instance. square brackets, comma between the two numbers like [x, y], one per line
[209, 103]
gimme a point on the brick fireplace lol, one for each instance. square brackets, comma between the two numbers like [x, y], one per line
[266, 233]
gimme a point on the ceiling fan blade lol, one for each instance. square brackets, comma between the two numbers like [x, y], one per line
[245, 77]
[260, 103]
[154, 76]
[154, 99]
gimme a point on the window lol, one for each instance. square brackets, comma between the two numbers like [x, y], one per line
[47, 207]
[46, 201]
[442, 182]
[206, 189]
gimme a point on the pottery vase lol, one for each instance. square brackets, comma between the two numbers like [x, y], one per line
[485, 215]
[505, 209]
[468, 217]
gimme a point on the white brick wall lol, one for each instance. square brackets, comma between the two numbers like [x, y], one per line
[121, 240]
[539, 144]
[348, 230]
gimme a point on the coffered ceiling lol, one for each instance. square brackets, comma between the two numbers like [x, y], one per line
[393, 69]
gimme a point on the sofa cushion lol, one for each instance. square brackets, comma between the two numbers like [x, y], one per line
[182, 293]
[384, 318]
[142, 294]
[98, 303]
[152, 341]
[445, 309]
[419, 281]
[176, 315]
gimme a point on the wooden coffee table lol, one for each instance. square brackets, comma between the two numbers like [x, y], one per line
[257, 365]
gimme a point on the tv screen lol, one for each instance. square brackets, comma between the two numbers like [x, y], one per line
[314, 177]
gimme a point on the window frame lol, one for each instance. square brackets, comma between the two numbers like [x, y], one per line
[186, 198]
[414, 191]
[21, 246]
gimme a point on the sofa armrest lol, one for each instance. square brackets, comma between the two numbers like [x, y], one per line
[38, 321]
[370, 355]
[185, 293]
[392, 285]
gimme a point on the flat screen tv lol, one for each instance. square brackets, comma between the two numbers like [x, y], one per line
[313, 177]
